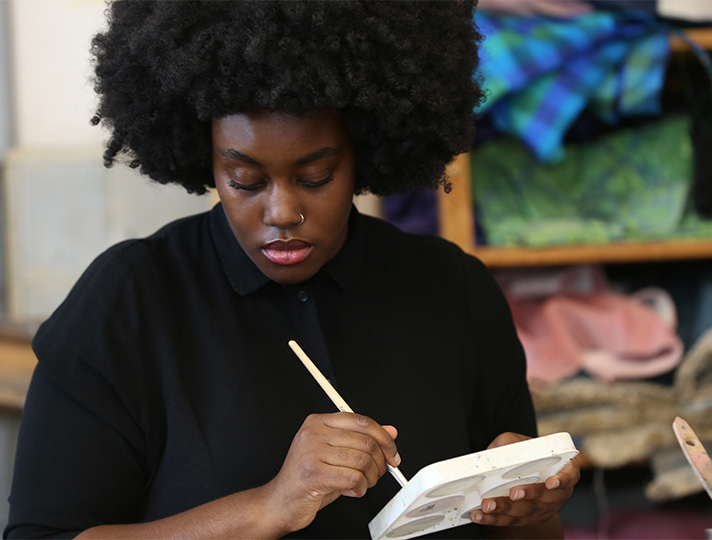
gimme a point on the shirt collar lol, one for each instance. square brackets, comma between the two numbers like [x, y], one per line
[245, 277]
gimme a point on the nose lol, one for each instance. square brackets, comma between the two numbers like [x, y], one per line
[282, 207]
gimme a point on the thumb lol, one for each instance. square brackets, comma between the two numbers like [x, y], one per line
[392, 431]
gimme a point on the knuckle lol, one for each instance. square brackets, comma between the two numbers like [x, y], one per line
[370, 445]
[506, 436]
[503, 505]
[305, 435]
[362, 421]
[532, 510]
[363, 461]
[354, 482]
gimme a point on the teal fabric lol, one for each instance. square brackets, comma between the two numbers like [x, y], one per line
[540, 73]
[631, 184]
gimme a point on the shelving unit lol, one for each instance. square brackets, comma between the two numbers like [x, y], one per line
[457, 222]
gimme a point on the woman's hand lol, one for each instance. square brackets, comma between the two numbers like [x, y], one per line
[529, 505]
[331, 455]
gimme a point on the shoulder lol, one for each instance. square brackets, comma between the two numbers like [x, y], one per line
[119, 282]
[180, 239]
[419, 251]
[438, 269]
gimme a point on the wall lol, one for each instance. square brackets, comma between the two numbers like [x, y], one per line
[51, 72]
[5, 118]
[63, 207]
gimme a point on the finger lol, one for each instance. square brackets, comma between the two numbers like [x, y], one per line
[566, 477]
[505, 520]
[499, 520]
[345, 480]
[340, 447]
[363, 462]
[520, 508]
[506, 438]
[363, 424]
[392, 431]
[336, 470]
[522, 499]
[344, 448]
[340, 440]
[540, 493]
[503, 511]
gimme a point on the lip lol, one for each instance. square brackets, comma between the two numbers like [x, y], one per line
[287, 252]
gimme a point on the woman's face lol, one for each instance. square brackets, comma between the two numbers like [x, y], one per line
[270, 169]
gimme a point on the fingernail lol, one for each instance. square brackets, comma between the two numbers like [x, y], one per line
[518, 494]
[555, 484]
[489, 506]
[397, 459]
[477, 517]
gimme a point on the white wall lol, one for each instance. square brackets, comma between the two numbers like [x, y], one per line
[51, 71]
[5, 118]
[63, 207]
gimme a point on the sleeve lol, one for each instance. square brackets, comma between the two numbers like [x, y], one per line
[503, 402]
[80, 456]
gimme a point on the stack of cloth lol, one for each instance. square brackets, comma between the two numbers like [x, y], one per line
[631, 184]
[540, 73]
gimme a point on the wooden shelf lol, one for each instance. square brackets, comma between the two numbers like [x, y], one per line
[703, 36]
[456, 223]
[622, 252]
[17, 362]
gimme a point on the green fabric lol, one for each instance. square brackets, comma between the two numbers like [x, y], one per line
[631, 184]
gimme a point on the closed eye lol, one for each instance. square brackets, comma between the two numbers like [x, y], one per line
[317, 183]
[245, 187]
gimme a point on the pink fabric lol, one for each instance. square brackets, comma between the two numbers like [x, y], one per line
[586, 326]
[548, 8]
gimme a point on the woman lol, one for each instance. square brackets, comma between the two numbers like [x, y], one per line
[166, 402]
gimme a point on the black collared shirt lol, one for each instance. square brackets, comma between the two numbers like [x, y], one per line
[165, 379]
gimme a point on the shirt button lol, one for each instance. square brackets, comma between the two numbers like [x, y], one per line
[303, 296]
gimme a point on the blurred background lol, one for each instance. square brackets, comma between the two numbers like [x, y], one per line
[588, 193]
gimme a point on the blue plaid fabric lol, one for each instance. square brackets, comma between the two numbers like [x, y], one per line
[540, 73]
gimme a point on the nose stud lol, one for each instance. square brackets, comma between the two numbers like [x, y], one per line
[301, 216]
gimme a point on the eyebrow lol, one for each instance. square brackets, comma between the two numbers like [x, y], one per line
[327, 151]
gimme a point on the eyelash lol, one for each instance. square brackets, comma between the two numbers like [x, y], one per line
[255, 187]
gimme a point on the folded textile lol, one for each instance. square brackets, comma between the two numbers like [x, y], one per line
[632, 183]
[585, 326]
[540, 72]
[550, 8]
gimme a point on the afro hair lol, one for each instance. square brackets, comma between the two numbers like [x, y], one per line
[400, 72]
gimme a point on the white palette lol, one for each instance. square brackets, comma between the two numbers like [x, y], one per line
[443, 494]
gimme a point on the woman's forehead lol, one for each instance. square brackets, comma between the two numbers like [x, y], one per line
[277, 129]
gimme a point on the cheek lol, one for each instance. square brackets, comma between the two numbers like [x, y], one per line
[244, 218]
[335, 213]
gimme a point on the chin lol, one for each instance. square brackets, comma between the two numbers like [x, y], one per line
[290, 275]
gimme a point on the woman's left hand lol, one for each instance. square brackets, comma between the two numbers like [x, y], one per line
[532, 504]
